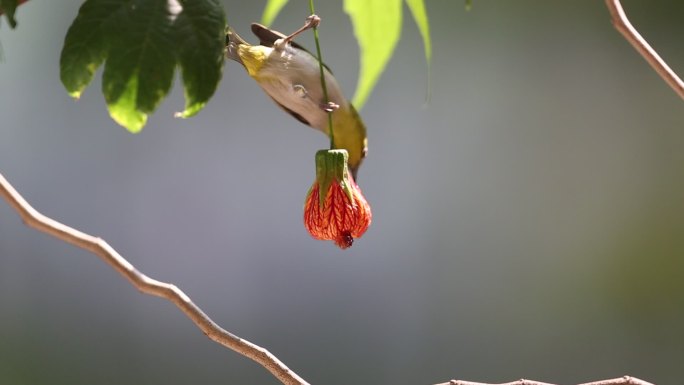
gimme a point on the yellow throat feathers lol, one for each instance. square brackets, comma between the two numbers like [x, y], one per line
[253, 57]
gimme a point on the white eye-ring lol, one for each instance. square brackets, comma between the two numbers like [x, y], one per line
[300, 91]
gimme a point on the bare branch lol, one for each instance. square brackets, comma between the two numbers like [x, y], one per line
[626, 380]
[623, 25]
[147, 285]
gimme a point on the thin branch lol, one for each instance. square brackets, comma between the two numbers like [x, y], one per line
[319, 57]
[221, 336]
[623, 25]
[626, 380]
[146, 284]
[172, 293]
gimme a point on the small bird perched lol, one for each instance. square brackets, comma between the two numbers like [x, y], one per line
[290, 75]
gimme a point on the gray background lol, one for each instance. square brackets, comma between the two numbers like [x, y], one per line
[528, 222]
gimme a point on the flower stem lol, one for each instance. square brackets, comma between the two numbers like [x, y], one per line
[323, 85]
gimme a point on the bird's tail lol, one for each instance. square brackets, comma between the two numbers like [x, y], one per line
[233, 40]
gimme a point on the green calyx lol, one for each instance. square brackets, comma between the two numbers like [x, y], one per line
[331, 167]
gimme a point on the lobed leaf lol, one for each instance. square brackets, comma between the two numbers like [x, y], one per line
[123, 109]
[86, 43]
[200, 34]
[140, 43]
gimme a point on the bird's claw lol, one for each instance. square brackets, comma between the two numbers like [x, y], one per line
[312, 21]
[329, 107]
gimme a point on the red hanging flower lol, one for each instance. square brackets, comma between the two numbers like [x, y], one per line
[335, 208]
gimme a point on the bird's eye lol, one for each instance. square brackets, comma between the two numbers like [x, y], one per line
[300, 91]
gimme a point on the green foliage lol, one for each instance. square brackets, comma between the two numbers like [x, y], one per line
[417, 8]
[377, 26]
[9, 7]
[200, 41]
[141, 42]
[272, 10]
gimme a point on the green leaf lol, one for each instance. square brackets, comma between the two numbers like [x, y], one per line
[417, 8]
[86, 43]
[140, 62]
[123, 110]
[141, 42]
[200, 33]
[9, 8]
[377, 26]
[271, 11]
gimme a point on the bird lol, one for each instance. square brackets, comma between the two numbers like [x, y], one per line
[290, 75]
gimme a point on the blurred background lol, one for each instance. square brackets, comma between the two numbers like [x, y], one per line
[528, 221]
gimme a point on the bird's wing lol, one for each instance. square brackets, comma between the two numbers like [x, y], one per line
[268, 36]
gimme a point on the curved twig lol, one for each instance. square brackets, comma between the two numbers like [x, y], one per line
[146, 284]
[221, 336]
[626, 380]
[623, 25]
[172, 293]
